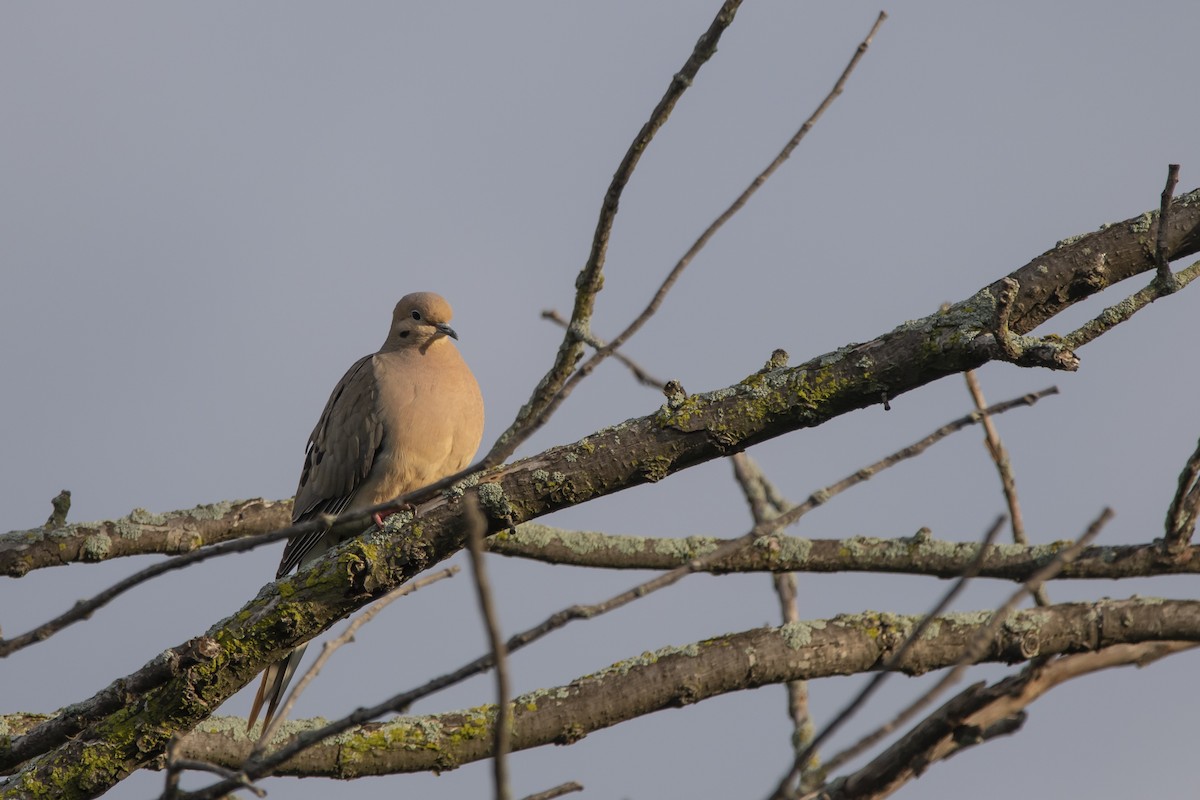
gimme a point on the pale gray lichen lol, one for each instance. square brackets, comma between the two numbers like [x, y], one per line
[126, 528]
[206, 511]
[581, 542]
[141, 516]
[66, 531]
[495, 501]
[646, 659]
[394, 523]
[794, 549]
[1142, 223]
[799, 634]
[96, 547]
[458, 489]
[1026, 621]
[1069, 240]
[685, 548]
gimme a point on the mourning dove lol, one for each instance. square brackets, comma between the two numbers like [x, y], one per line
[399, 419]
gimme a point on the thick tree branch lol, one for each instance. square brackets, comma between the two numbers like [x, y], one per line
[1074, 270]
[40, 733]
[1083, 265]
[678, 676]
[685, 432]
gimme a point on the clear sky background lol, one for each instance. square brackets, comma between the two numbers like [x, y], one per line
[208, 210]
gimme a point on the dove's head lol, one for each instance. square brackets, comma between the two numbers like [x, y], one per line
[419, 319]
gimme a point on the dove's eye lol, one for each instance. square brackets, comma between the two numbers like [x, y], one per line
[416, 315]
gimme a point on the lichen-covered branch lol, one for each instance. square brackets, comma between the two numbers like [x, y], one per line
[679, 676]
[36, 734]
[139, 533]
[686, 431]
[920, 554]
[1080, 266]
[914, 555]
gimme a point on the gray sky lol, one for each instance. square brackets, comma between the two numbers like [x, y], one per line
[208, 211]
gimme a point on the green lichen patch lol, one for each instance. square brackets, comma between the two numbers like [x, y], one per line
[127, 528]
[645, 659]
[213, 511]
[793, 549]
[799, 634]
[494, 501]
[96, 547]
[683, 549]
[140, 516]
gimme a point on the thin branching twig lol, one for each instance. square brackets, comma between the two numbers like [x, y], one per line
[502, 735]
[557, 791]
[766, 505]
[1008, 483]
[805, 756]
[588, 366]
[976, 647]
[1185, 507]
[643, 377]
[1162, 255]
[980, 713]
[85, 608]
[537, 409]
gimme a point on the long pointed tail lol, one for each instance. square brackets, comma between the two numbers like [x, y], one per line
[274, 683]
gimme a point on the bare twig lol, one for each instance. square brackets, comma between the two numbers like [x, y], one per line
[586, 369]
[175, 766]
[590, 279]
[912, 451]
[1116, 314]
[557, 791]
[171, 788]
[976, 647]
[1000, 458]
[1004, 306]
[754, 486]
[1181, 516]
[1162, 256]
[643, 377]
[85, 608]
[476, 528]
[61, 505]
[763, 498]
[805, 755]
[344, 638]
[978, 713]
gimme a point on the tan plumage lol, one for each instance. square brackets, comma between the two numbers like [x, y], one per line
[399, 419]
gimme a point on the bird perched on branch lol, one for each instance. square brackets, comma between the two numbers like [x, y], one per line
[399, 419]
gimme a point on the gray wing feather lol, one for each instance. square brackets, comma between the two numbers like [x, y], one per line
[341, 451]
